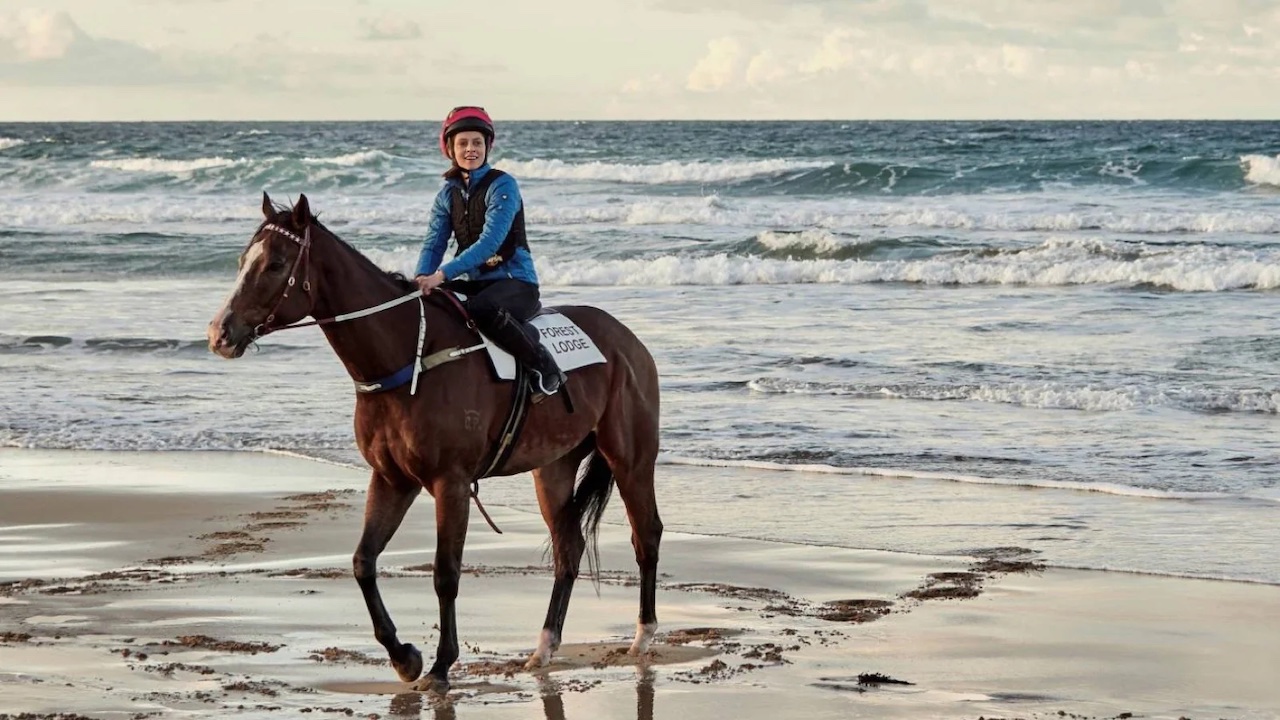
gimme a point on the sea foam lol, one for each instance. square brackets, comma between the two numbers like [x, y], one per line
[1261, 169]
[653, 174]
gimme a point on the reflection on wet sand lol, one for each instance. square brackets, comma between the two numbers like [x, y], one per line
[553, 699]
[411, 704]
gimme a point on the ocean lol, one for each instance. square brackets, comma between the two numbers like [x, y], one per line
[929, 337]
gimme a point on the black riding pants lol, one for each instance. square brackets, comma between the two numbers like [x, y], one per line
[486, 299]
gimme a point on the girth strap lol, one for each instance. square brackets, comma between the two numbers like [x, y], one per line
[515, 421]
[507, 439]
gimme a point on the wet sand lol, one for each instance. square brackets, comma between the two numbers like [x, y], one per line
[219, 584]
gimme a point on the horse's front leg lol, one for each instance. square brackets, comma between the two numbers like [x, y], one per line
[385, 506]
[452, 510]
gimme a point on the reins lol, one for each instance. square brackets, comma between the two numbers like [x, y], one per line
[303, 260]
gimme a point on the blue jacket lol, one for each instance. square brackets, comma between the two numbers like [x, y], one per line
[502, 202]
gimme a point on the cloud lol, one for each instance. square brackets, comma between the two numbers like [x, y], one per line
[1084, 47]
[766, 68]
[835, 52]
[1086, 25]
[390, 28]
[973, 58]
[40, 36]
[48, 48]
[719, 67]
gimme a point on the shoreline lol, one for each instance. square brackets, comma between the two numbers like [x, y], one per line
[1132, 491]
[752, 628]
[1120, 518]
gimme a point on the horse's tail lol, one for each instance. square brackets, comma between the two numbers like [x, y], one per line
[586, 507]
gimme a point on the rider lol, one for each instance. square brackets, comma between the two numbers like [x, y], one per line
[482, 208]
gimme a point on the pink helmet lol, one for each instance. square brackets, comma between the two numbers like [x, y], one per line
[465, 117]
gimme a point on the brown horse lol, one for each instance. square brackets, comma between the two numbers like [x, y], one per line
[440, 437]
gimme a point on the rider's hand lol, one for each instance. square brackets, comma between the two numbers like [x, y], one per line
[427, 283]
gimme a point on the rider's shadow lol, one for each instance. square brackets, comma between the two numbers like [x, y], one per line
[411, 705]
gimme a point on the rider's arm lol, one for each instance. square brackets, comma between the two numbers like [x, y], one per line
[501, 202]
[438, 232]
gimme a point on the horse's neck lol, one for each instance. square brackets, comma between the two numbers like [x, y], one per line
[371, 347]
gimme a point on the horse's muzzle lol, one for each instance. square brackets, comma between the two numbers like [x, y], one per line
[227, 337]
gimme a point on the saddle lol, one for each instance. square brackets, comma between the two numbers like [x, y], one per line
[569, 344]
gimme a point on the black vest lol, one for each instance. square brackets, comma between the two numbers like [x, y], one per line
[468, 221]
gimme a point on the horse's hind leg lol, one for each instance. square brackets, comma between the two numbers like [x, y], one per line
[385, 506]
[632, 451]
[554, 483]
[635, 485]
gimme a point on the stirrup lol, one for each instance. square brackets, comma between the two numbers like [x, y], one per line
[539, 384]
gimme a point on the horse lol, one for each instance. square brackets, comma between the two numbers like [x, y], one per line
[438, 434]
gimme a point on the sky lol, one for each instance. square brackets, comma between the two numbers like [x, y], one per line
[638, 59]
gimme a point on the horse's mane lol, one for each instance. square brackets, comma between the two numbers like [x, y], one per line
[284, 217]
[399, 278]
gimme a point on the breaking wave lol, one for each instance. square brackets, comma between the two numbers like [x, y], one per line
[1262, 169]
[1056, 262]
[719, 211]
[239, 167]
[655, 174]
[1048, 395]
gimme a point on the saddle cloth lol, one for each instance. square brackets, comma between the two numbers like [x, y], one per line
[569, 345]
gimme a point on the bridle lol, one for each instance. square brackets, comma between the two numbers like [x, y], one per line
[304, 242]
[303, 260]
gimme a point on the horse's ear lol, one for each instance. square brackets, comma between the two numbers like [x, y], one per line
[268, 210]
[302, 212]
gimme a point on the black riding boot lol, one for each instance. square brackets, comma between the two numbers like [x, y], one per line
[521, 340]
[548, 374]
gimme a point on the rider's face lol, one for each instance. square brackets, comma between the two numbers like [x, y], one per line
[469, 149]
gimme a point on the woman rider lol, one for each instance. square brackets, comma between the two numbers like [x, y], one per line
[481, 207]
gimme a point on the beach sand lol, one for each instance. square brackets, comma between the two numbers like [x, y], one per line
[219, 584]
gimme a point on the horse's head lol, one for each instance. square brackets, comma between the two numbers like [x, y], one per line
[266, 294]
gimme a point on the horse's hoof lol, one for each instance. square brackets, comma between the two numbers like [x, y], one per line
[548, 643]
[644, 638]
[432, 683]
[411, 667]
[535, 661]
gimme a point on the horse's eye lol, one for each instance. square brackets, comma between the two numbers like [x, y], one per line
[275, 266]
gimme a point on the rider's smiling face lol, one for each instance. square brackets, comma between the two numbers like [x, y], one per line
[469, 149]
